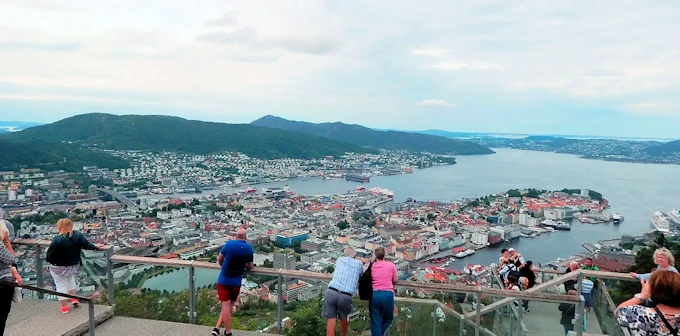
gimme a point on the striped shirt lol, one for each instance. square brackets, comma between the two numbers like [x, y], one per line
[587, 286]
[346, 276]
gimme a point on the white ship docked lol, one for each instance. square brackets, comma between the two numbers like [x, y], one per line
[674, 216]
[660, 222]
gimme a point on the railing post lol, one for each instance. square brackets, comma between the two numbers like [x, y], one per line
[578, 320]
[40, 281]
[520, 308]
[434, 321]
[478, 310]
[279, 310]
[192, 294]
[580, 313]
[462, 325]
[109, 276]
[90, 308]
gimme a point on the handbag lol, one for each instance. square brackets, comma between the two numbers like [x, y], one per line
[665, 321]
[366, 284]
[18, 294]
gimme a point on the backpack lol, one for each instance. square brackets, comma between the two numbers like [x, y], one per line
[523, 283]
[366, 284]
[514, 272]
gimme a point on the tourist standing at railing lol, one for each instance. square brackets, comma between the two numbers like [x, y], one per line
[7, 273]
[7, 241]
[571, 284]
[587, 286]
[64, 259]
[384, 275]
[588, 265]
[337, 304]
[662, 257]
[656, 309]
[504, 265]
[568, 314]
[235, 257]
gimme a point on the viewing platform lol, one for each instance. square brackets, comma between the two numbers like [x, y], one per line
[498, 315]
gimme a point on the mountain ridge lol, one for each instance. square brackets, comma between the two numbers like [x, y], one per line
[364, 136]
[168, 133]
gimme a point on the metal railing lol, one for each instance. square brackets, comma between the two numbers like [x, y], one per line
[472, 319]
[90, 302]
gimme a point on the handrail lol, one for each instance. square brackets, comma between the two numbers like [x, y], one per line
[45, 291]
[90, 302]
[533, 293]
[321, 276]
[610, 303]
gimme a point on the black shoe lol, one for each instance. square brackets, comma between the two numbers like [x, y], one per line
[227, 334]
[215, 332]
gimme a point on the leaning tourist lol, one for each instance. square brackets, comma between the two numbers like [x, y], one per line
[656, 309]
[64, 259]
[503, 265]
[10, 229]
[571, 283]
[662, 257]
[7, 273]
[235, 257]
[384, 275]
[587, 286]
[337, 303]
[588, 265]
[568, 313]
[516, 258]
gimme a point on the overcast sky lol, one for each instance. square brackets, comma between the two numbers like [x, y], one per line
[573, 67]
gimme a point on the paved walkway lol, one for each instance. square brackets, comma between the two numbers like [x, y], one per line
[544, 320]
[132, 326]
[34, 317]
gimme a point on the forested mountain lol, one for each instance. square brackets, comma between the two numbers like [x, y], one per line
[165, 133]
[364, 136]
[53, 156]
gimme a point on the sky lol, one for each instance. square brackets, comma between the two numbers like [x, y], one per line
[575, 67]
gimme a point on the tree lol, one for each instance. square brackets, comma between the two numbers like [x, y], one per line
[342, 224]
[660, 241]
[307, 321]
[267, 263]
[431, 216]
[330, 269]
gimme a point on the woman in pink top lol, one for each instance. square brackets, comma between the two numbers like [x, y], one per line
[384, 275]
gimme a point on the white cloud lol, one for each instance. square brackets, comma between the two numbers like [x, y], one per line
[361, 61]
[435, 102]
[458, 66]
[439, 53]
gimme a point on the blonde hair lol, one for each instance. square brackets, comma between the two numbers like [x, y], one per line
[350, 252]
[65, 226]
[4, 231]
[667, 253]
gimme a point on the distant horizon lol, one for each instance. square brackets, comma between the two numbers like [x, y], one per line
[510, 135]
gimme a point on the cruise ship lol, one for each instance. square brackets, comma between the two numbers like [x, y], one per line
[616, 218]
[660, 222]
[382, 191]
[465, 253]
[674, 216]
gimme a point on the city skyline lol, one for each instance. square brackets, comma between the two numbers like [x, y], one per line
[604, 69]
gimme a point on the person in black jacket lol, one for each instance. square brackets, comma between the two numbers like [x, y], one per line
[568, 314]
[64, 260]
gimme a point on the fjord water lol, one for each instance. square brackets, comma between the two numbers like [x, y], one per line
[633, 190]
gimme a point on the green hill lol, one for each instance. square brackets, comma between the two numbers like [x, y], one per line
[164, 133]
[364, 136]
[53, 156]
[664, 149]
